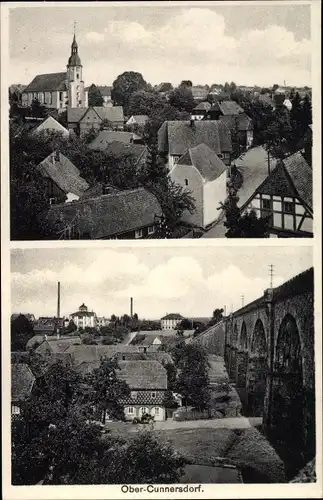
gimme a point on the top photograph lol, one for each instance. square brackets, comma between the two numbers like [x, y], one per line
[160, 121]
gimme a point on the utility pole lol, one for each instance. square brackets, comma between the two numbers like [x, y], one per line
[242, 300]
[271, 275]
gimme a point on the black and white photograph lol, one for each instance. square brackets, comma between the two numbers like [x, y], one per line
[160, 121]
[128, 369]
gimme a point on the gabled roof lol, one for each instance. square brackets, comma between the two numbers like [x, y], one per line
[74, 115]
[227, 107]
[291, 177]
[143, 374]
[48, 82]
[140, 119]
[199, 92]
[64, 173]
[113, 114]
[240, 121]
[105, 137]
[266, 100]
[120, 150]
[300, 174]
[61, 344]
[49, 123]
[98, 189]
[108, 215]
[22, 381]
[176, 137]
[204, 106]
[205, 161]
[173, 316]
[93, 353]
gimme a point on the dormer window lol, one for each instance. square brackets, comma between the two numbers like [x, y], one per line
[186, 182]
[77, 75]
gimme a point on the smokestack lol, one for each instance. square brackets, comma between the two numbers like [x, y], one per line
[131, 307]
[58, 299]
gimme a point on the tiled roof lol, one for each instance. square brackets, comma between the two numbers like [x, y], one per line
[64, 173]
[48, 82]
[205, 161]
[93, 353]
[61, 344]
[106, 137]
[140, 119]
[241, 121]
[176, 137]
[98, 189]
[291, 177]
[49, 123]
[228, 107]
[74, 115]
[300, 174]
[120, 150]
[22, 381]
[113, 114]
[266, 100]
[204, 106]
[108, 215]
[173, 316]
[143, 374]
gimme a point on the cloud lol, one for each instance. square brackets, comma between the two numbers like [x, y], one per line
[93, 36]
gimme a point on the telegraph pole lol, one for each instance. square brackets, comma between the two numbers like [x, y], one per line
[271, 275]
[242, 300]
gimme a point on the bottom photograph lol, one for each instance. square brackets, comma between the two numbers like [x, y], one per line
[136, 365]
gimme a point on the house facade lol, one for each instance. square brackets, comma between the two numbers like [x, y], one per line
[170, 321]
[201, 171]
[84, 318]
[82, 121]
[148, 383]
[285, 197]
[176, 137]
[59, 90]
[200, 111]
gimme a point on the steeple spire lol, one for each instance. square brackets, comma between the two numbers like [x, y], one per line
[74, 59]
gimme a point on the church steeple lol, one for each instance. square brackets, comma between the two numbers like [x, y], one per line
[74, 59]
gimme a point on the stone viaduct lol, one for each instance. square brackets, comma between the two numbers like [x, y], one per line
[268, 347]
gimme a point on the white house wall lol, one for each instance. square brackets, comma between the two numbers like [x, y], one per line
[214, 193]
[182, 173]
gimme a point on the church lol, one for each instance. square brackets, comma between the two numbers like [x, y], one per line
[59, 90]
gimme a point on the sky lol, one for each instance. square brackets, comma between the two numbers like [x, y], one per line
[247, 44]
[192, 281]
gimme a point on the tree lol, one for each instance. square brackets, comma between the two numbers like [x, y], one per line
[232, 88]
[145, 103]
[21, 331]
[242, 226]
[37, 110]
[185, 324]
[182, 98]
[278, 137]
[186, 83]
[106, 391]
[125, 85]
[94, 96]
[157, 117]
[192, 380]
[216, 316]
[71, 327]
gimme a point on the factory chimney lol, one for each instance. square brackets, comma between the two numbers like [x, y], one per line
[131, 307]
[58, 299]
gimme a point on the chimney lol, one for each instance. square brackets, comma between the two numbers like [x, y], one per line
[57, 158]
[131, 307]
[58, 299]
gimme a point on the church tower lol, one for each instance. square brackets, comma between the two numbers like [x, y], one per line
[77, 97]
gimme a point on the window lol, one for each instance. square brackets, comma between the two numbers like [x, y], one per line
[133, 395]
[153, 395]
[61, 94]
[151, 229]
[144, 410]
[288, 207]
[52, 201]
[131, 410]
[138, 233]
[186, 182]
[156, 412]
[15, 410]
[266, 204]
[77, 76]
[220, 155]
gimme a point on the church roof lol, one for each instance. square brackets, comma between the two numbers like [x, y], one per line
[47, 83]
